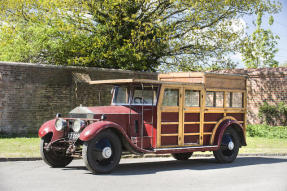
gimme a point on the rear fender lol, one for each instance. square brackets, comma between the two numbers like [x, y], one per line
[49, 127]
[222, 126]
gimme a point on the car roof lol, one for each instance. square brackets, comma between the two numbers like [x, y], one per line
[139, 81]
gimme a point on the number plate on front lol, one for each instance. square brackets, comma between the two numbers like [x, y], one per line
[73, 136]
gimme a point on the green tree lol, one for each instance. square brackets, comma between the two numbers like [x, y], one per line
[259, 49]
[126, 34]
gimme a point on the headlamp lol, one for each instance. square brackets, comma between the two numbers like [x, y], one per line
[77, 125]
[60, 124]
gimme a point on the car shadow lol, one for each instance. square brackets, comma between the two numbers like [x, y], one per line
[153, 167]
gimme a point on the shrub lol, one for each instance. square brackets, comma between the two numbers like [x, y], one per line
[282, 108]
[273, 114]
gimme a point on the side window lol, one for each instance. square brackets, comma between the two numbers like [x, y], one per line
[120, 95]
[234, 99]
[214, 99]
[219, 99]
[192, 98]
[170, 97]
[149, 97]
[209, 102]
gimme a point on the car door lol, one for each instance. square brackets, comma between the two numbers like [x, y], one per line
[169, 117]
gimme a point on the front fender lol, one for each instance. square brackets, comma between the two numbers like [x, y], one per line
[93, 129]
[49, 127]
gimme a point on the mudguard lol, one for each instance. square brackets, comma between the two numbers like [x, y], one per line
[93, 129]
[216, 140]
[49, 127]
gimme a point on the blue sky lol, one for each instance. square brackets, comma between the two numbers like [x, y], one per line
[279, 28]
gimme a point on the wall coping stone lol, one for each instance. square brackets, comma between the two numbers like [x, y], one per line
[278, 72]
[87, 69]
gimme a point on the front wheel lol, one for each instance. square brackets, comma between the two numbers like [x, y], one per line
[103, 153]
[181, 156]
[53, 158]
[229, 147]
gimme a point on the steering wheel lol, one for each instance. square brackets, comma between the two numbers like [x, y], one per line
[139, 100]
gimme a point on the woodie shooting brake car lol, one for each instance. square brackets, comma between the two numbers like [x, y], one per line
[179, 113]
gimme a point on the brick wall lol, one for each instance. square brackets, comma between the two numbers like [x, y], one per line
[31, 93]
[264, 84]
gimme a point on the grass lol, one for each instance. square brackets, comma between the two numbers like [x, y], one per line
[29, 147]
[19, 147]
[265, 145]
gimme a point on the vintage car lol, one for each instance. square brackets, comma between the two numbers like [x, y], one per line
[179, 113]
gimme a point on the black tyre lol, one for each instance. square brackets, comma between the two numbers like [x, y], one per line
[53, 158]
[229, 147]
[103, 153]
[181, 156]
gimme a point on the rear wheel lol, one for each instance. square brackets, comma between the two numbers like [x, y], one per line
[229, 147]
[103, 153]
[181, 156]
[53, 158]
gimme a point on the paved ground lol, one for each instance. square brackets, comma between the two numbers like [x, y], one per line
[246, 173]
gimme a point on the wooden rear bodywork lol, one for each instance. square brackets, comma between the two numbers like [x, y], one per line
[210, 80]
[185, 126]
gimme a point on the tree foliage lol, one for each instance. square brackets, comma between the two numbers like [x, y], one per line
[127, 34]
[259, 49]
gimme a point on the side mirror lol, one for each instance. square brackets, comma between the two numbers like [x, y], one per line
[58, 115]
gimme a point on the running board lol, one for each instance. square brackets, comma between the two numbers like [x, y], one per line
[183, 148]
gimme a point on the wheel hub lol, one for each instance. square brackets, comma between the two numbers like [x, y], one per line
[107, 152]
[230, 145]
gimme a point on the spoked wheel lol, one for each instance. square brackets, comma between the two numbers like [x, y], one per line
[103, 153]
[181, 156]
[53, 158]
[229, 147]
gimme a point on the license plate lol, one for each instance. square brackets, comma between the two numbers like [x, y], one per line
[73, 136]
